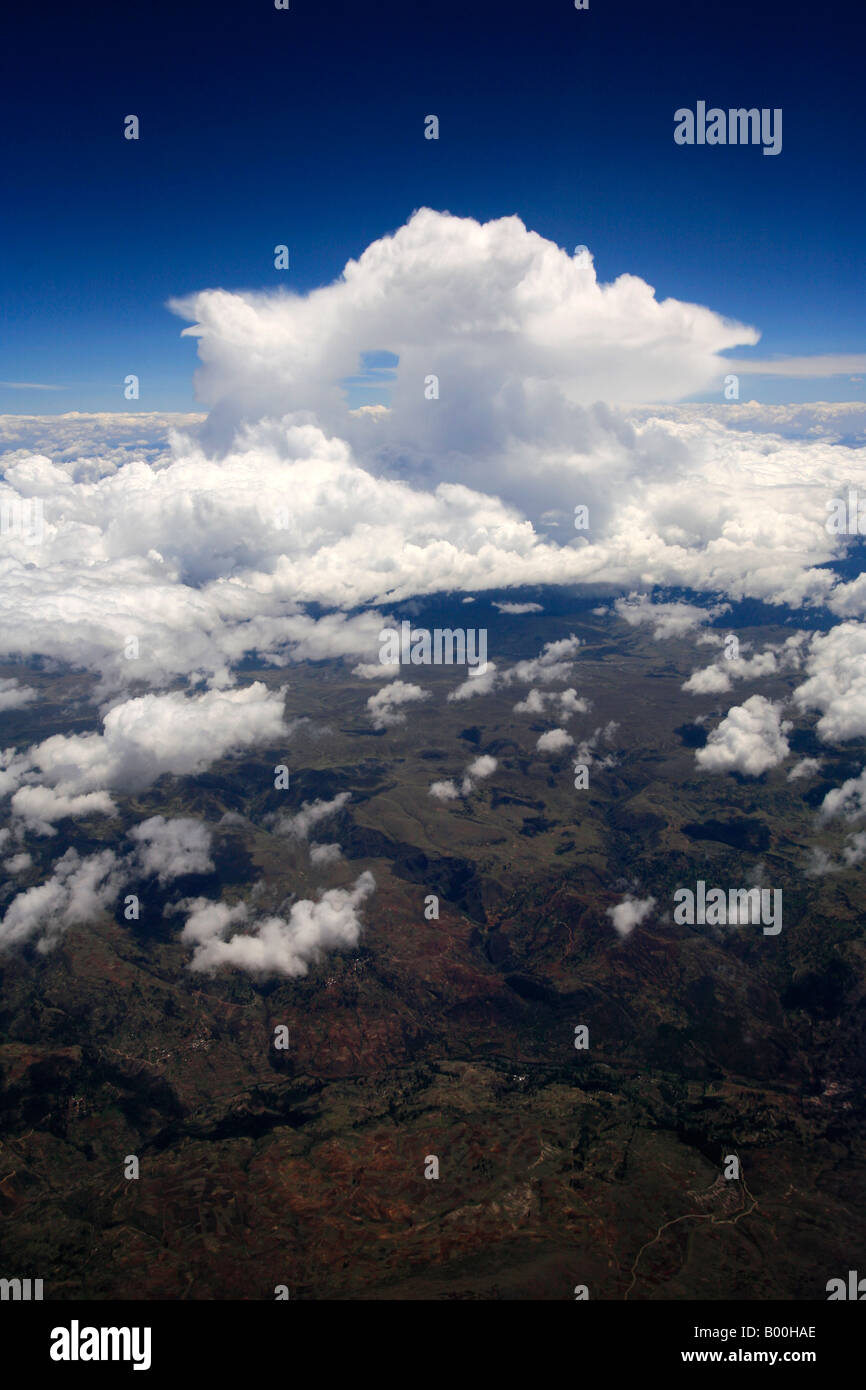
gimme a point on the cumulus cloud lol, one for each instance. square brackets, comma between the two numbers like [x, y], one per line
[667, 619]
[587, 750]
[517, 609]
[312, 813]
[212, 548]
[708, 680]
[806, 767]
[552, 664]
[386, 705]
[554, 741]
[630, 913]
[769, 662]
[171, 848]
[836, 682]
[323, 855]
[263, 946]
[78, 890]
[750, 739]
[141, 739]
[39, 808]
[476, 684]
[444, 790]
[13, 695]
[480, 768]
[18, 863]
[375, 671]
[849, 800]
[530, 327]
[568, 702]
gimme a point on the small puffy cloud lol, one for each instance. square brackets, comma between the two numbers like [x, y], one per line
[311, 813]
[568, 702]
[478, 769]
[78, 890]
[262, 947]
[376, 671]
[323, 855]
[444, 791]
[18, 864]
[836, 682]
[480, 684]
[709, 680]
[40, 807]
[630, 913]
[153, 734]
[849, 800]
[750, 739]
[13, 695]
[806, 767]
[385, 706]
[552, 664]
[482, 766]
[172, 848]
[854, 852]
[517, 609]
[533, 703]
[772, 660]
[571, 703]
[667, 619]
[587, 749]
[554, 741]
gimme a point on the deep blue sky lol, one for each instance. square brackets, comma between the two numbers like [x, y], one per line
[306, 127]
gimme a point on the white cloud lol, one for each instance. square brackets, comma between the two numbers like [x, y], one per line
[40, 807]
[630, 913]
[210, 548]
[554, 741]
[171, 848]
[275, 945]
[587, 749]
[568, 702]
[375, 671]
[444, 791]
[323, 855]
[517, 609]
[750, 739]
[13, 695]
[480, 768]
[77, 891]
[806, 767]
[312, 813]
[709, 680]
[667, 619]
[532, 332]
[836, 684]
[385, 706]
[849, 800]
[476, 685]
[142, 739]
[18, 864]
[552, 664]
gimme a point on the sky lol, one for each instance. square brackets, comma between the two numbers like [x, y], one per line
[305, 127]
